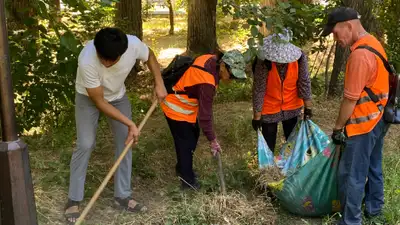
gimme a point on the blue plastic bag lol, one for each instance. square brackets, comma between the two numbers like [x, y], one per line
[306, 141]
[265, 155]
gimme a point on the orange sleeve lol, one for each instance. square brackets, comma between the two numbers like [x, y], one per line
[360, 72]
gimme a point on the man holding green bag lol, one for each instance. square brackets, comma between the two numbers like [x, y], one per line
[360, 127]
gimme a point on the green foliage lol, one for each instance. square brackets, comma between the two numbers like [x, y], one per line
[389, 18]
[235, 91]
[44, 56]
[305, 20]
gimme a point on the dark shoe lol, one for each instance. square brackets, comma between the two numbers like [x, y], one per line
[188, 186]
[177, 173]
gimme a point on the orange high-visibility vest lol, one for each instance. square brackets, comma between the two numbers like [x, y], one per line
[282, 95]
[367, 114]
[180, 107]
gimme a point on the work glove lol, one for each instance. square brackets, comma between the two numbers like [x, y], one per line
[338, 137]
[215, 147]
[307, 113]
[256, 124]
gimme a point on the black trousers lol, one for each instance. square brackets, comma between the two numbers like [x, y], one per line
[269, 131]
[185, 137]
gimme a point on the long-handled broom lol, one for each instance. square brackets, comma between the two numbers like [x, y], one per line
[114, 168]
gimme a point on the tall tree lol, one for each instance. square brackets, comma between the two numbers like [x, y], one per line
[129, 17]
[57, 9]
[170, 4]
[370, 23]
[202, 31]
[19, 11]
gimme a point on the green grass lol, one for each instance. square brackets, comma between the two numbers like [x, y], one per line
[153, 173]
[154, 182]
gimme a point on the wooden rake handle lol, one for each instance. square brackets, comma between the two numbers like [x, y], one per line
[114, 168]
[221, 174]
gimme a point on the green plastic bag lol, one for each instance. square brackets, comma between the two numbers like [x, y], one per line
[312, 190]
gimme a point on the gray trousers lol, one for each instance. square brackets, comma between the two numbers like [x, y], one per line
[87, 117]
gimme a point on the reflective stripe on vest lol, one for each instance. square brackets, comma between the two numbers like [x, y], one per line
[367, 113]
[282, 95]
[365, 118]
[184, 101]
[368, 99]
[177, 108]
[180, 107]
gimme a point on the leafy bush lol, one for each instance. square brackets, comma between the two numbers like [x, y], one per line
[305, 20]
[389, 18]
[44, 57]
[235, 91]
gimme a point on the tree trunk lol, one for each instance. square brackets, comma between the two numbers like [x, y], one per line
[339, 64]
[328, 64]
[129, 17]
[57, 7]
[202, 34]
[19, 10]
[263, 29]
[171, 16]
[370, 24]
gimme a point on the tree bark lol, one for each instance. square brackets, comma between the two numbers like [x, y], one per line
[263, 29]
[339, 64]
[171, 16]
[57, 9]
[129, 17]
[370, 24]
[202, 34]
[328, 64]
[19, 10]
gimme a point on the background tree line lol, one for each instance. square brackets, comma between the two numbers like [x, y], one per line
[45, 41]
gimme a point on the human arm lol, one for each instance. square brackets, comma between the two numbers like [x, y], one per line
[360, 72]
[154, 68]
[259, 89]
[304, 85]
[92, 82]
[144, 53]
[205, 94]
[346, 109]
[97, 96]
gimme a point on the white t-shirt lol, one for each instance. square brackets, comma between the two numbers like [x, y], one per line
[91, 73]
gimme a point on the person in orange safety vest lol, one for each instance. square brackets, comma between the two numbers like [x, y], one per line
[281, 87]
[359, 126]
[188, 112]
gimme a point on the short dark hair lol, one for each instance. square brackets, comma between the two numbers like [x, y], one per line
[110, 43]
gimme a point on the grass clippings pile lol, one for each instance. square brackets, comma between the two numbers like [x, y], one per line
[233, 208]
[269, 175]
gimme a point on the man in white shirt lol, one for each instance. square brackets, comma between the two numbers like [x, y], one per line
[103, 65]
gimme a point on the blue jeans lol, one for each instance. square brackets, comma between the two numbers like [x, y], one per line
[361, 159]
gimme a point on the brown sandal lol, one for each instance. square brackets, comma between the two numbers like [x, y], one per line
[73, 216]
[123, 203]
